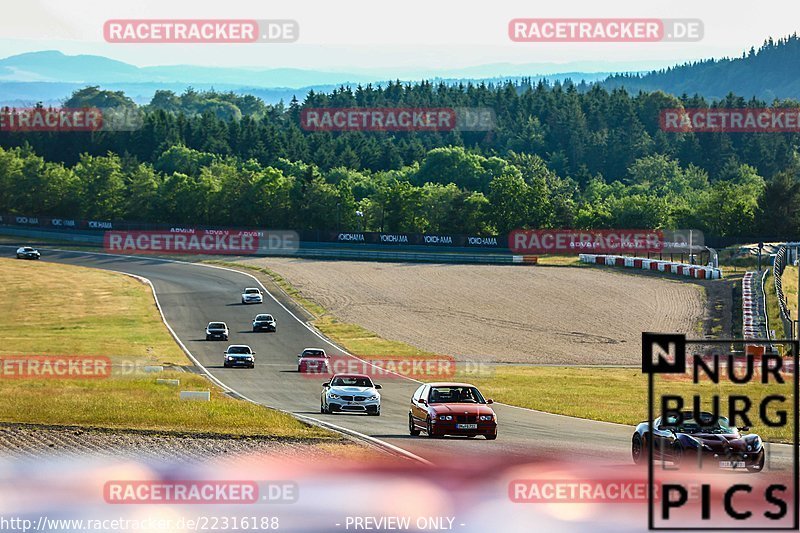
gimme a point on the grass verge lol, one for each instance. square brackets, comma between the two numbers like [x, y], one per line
[63, 310]
[618, 394]
[773, 309]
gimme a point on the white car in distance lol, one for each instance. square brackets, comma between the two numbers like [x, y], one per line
[252, 295]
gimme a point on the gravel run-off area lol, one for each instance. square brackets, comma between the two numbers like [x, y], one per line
[487, 313]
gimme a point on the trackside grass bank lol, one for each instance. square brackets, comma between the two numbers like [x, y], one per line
[60, 310]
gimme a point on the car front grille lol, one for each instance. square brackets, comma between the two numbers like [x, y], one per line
[466, 419]
[353, 398]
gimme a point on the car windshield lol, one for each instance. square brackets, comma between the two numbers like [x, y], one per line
[313, 353]
[456, 394]
[216, 325]
[264, 317]
[348, 381]
[705, 424]
[238, 350]
[251, 291]
[27, 249]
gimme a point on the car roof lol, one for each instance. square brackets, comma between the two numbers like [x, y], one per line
[252, 289]
[216, 322]
[239, 346]
[351, 376]
[304, 349]
[450, 384]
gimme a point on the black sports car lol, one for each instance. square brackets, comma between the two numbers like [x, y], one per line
[720, 445]
[26, 252]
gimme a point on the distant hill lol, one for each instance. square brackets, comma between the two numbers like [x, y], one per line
[50, 77]
[772, 71]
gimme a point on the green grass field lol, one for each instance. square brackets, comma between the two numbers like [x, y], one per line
[62, 310]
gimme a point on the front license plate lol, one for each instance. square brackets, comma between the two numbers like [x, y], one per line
[731, 464]
[466, 426]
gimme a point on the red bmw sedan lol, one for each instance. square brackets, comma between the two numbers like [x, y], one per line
[441, 409]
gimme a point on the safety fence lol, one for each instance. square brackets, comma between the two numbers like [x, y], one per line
[657, 265]
[777, 270]
[754, 315]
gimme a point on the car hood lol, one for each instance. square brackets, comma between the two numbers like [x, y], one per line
[264, 321]
[462, 408]
[354, 390]
[239, 355]
[721, 443]
[253, 295]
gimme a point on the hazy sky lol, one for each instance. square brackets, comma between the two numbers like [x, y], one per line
[424, 35]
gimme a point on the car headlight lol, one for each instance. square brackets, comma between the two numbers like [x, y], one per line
[486, 417]
[754, 444]
[445, 417]
[373, 398]
[333, 396]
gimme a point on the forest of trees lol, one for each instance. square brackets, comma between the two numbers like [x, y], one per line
[560, 156]
[767, 73]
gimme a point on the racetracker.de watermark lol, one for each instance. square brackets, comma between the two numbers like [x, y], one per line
[441, 368]
[55, 367]
[197, 31]
[598, 241]
[534, 30]
[191, 241]
[87, 119]
[199, 492]
[398, 119]
[747, 120]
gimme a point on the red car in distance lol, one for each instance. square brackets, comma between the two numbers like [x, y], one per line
[313, 361]
[441, 409]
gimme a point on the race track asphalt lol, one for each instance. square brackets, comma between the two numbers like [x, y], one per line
[192, 295]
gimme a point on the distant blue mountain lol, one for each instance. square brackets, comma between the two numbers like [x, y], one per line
[50, 77]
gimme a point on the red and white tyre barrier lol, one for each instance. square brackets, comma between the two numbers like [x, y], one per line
[638, 263]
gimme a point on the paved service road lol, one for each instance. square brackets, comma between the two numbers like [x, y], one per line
[193, 295]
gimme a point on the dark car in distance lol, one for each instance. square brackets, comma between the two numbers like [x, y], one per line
[713, 439]
[239, 355]
[441, 409]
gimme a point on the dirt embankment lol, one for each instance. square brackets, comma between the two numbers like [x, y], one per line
[501, 313]
[31, 442]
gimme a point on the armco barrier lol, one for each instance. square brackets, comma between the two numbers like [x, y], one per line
[96, 240]
[679, 269]
[777, 270]
[754, 315]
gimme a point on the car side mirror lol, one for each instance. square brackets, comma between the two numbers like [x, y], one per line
[745, 428]
[423, 401]
[488, 401]
[378, 387]
[325, 385]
